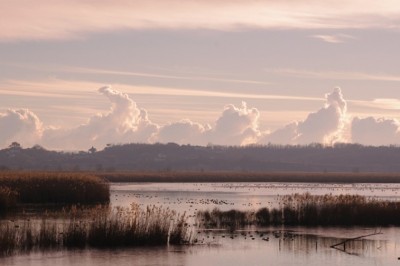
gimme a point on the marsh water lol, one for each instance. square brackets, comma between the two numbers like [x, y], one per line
[246, 246]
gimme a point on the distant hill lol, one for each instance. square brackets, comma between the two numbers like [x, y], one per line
[174, 157]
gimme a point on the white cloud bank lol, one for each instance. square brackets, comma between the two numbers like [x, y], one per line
[324, 126]
[20, 125]
[375, 131]
[61, 19]
[235, 126]
[125, 122]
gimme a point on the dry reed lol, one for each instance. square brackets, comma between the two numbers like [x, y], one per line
[55, 188]
[311, 210]
[103, 228]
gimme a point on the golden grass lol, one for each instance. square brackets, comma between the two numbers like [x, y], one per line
[311, 210]
[103, 227]
[56, 188]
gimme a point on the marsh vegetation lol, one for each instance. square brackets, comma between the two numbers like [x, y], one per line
[86, 225]
[51, 188]
[310, 210]
[99, 227]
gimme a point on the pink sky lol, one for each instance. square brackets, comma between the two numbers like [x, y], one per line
[185, 67]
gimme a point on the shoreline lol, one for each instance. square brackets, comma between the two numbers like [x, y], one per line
[228, 177]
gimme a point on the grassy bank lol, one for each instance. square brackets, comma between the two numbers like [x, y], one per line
[52, 188]
[102, 228]
[310, 210]
[250, 177]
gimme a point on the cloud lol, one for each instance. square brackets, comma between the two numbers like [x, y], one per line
[63, 19]
[160, 76]
[285, 135]
[235, 126]
[375, 131]
[183, 132]
[79, 89]
[124, 123]
[19, 125]
[338, 75]
[324, 126]
[381, 103]
[335, 38]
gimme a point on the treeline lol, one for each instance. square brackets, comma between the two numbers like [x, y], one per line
[173, 157]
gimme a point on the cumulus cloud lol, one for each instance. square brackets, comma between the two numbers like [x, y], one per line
[19, 125]
[124, 123]
[283, 136]
[324, 126]
[235, 126]
[183, 132]
[375, 131]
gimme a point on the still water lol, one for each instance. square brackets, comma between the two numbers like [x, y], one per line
[249, 246]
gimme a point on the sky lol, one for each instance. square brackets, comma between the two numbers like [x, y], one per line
[82, 73]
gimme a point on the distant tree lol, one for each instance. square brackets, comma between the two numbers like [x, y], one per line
[92, 150]
[38, 147]
[15, 145]
[109, 145]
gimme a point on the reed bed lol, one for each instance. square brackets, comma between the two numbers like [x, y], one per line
[53, 188]
[104, 228]
[310, 210]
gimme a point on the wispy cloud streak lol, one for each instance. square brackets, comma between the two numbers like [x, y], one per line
[158, 76]
[56, 87]
[335, 38]
[111, 72]
[339, 75]
[63, 19]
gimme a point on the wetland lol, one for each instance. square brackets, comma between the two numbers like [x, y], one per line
[214, 223]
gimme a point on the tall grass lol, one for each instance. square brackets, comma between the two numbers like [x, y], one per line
[311, 210]
[306, 209]
[54, 188]
[103, 228]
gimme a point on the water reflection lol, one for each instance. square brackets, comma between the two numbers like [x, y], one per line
[296, 246]
[293, 249]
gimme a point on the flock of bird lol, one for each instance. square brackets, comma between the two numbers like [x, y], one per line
[214, 236]
[189, 197]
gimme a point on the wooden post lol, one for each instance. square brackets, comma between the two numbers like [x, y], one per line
[352, 239]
